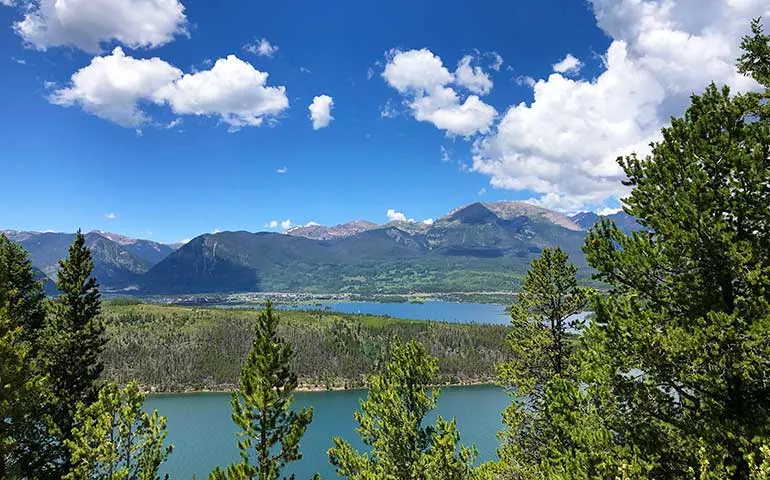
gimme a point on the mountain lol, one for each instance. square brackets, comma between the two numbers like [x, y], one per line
[321, 232]
[478, 246]
[625, 222]
[118, 260]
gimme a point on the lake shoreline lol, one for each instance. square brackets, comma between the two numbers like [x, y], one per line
[308, 388]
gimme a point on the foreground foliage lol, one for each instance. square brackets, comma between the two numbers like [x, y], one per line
[391, 423]
[270, 430]
[113, 439]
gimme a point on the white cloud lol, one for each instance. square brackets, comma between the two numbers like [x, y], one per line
[263, 48]
[304, 70]
[110, 216]
[281, 170]
[420, 76]
[388, 110]
[525, 81]
[497, 61]
[563, 145]
[482, 191]
[472, 78]
[608, 211]
[85, 24]
[185, 240]
[174, 123]
[312, 224]
[7, 3]
[445, 154]
[284, 224]
[233, 90]
[569, 65]
[112, 87]
[415, 71]
[394, 216]
[428, 221]
[321, 111]
[216, 230]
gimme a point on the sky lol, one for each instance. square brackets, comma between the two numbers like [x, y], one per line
[165, 119]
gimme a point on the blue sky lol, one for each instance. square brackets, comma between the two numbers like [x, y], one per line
[172, 156]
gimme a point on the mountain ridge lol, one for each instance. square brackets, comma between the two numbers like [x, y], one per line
[481, 245]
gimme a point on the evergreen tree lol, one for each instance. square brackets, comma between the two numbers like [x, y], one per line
[26, 434]
[270, 430]
[541, 343]
[21, 294]
[391, 424]
[681, 340]
[21, 390]
[114, 439]
[72, 342]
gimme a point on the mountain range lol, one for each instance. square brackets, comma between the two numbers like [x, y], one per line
[477, 247]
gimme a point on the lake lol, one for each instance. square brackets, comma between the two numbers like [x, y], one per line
[435, 310]
[203, 434]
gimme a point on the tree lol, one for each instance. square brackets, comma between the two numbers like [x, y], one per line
[115, 440]
[25, 434]
[541, 343]
[21, 294]
[72, 342]
[262, 407]
[21, 389]
[681, 339]
[391, 423]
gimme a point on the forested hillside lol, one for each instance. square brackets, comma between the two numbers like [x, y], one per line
[177, 348]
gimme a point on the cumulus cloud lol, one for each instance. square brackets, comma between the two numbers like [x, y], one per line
[232, 90]
[284, 224]
[423, 80]
[112, 87]
[85, 24]
[428, 221]
[569, 65]
[263, 48]
[281, 170]
[563, 144]
[110, 216]
[395, 216]
[321, 111]
[482, 191]
[472, 78]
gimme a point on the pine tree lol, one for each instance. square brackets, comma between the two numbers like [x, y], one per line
[114, 439]
[25, 433]
[391, 423]
[21, 294]
[270, 430]
[21, 390]
[72, 342]
[681, 340]
[541, 342]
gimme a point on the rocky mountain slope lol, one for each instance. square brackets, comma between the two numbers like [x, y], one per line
[481, 246]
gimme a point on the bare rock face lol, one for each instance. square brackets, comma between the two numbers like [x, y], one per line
[321, 232]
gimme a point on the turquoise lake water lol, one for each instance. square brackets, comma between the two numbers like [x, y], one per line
[203, 434]
[454, 312]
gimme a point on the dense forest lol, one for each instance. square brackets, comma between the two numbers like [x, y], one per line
[168, 348]
[669, 380]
